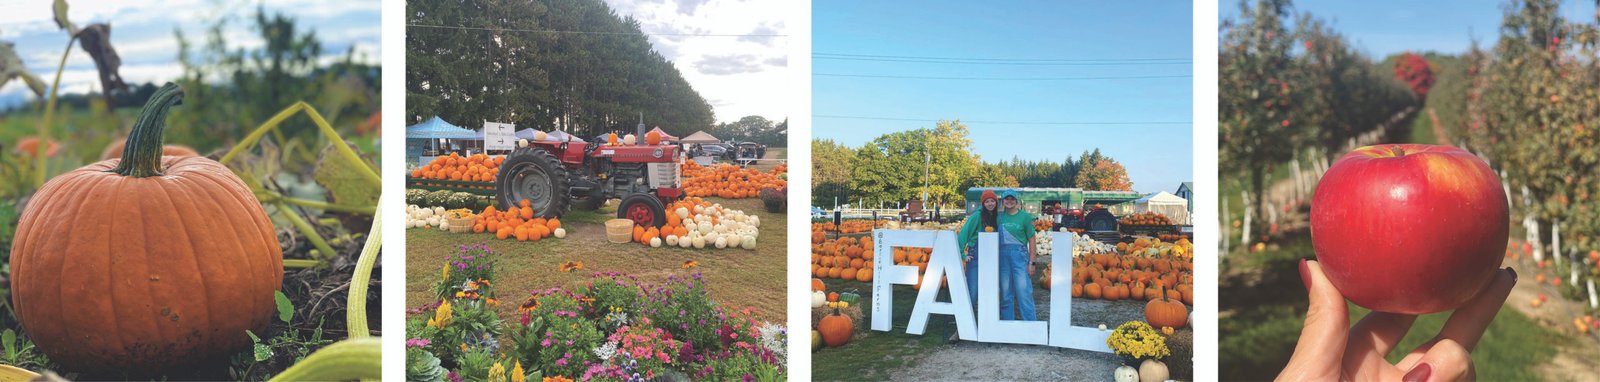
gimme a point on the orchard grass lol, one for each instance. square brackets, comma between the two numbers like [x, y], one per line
[736, 277]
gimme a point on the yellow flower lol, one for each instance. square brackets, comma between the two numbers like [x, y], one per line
[497, 373]
[441, 317]
[460, 294]
[445, 274]
[492, 301]
[557, 379]
[463, 347]
[517, 375]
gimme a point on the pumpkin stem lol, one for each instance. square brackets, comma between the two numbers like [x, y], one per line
[141, 155]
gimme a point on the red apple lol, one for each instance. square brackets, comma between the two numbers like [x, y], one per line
[1409, 229]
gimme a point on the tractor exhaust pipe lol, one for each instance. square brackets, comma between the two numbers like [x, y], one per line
[640, 134]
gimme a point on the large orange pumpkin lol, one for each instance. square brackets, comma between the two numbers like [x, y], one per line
[1160, 312]
[836, 329]
[142, 263]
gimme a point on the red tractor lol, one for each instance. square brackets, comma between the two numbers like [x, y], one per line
[555, 176]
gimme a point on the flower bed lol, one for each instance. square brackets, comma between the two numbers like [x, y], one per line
[614, 328]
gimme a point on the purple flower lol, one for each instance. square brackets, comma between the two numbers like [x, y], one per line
[453, 376]
[748, 378]
[545, 343]
[417, 343]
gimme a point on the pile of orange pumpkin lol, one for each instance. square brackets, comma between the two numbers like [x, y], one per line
[517, 223]
[848, 226]
[1042, 225]
[474, 168]
[1116, 277]
[845, 258]
[728, 181]
[1146, 219]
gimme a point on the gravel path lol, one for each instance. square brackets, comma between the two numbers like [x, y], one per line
[970, 361]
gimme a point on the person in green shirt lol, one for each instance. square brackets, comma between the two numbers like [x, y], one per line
[1017, 250]
[985, 219]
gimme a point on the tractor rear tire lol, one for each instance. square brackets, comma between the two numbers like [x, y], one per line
[643, 209]
[533, 174]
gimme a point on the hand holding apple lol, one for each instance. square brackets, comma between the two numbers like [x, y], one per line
[1408, 228]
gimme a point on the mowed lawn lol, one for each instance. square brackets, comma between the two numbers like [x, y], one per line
[736, 277]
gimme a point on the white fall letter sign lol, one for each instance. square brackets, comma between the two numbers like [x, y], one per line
[945, 263]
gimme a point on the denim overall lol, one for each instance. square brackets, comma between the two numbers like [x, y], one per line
[1014, 281]
[1016, 289]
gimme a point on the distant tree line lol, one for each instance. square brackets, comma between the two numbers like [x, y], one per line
[573, 64]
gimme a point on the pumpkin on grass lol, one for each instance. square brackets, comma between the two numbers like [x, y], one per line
[139, 264]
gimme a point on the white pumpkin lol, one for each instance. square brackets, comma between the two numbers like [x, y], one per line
[438, 211]
[444, 226]
[523, 143]
[748, 242]
[655, 242]
[755, 221]
[734, 240]
[1153, 371]
[683, 213]
[698, 242]
[672, 240]
[628, 139]
[704, 227]
[561, 233]
[540, 135]
[818, 299]
[1125, 373]
[722, 242]
[684, 242]
[699, 210]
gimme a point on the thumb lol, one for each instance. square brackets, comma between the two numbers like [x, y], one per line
[1322, 340]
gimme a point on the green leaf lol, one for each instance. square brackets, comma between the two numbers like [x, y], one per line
[344, 180]
[262, 351]
[285, 309]
[60, 9]
[10, 339]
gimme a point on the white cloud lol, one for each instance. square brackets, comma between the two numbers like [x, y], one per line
[739, 76]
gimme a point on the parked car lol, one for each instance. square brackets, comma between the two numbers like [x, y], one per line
[818, 213]
[717, 151]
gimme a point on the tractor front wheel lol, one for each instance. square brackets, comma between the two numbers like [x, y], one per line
[643, 209]
[534, 175]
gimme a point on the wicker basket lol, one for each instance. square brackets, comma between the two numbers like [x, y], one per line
[461, 225]
[619, 230]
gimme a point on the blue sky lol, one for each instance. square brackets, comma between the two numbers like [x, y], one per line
[142, 32]
[1383, 28]
[1158, 156]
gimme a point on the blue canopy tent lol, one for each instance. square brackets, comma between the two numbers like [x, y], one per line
[433, 137]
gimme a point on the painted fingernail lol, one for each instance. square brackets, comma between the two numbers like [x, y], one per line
[1305, 274]
[1418, 374]
[1513, 273]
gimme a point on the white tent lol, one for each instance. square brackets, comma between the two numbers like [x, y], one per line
[1165, 203]
[700, 137]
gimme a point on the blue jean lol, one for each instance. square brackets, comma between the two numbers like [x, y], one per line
[1016, 289]
[972, 280]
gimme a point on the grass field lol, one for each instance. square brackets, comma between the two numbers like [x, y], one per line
[735, 277]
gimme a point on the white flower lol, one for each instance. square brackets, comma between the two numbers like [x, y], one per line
[605, 352]
[773, 338]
